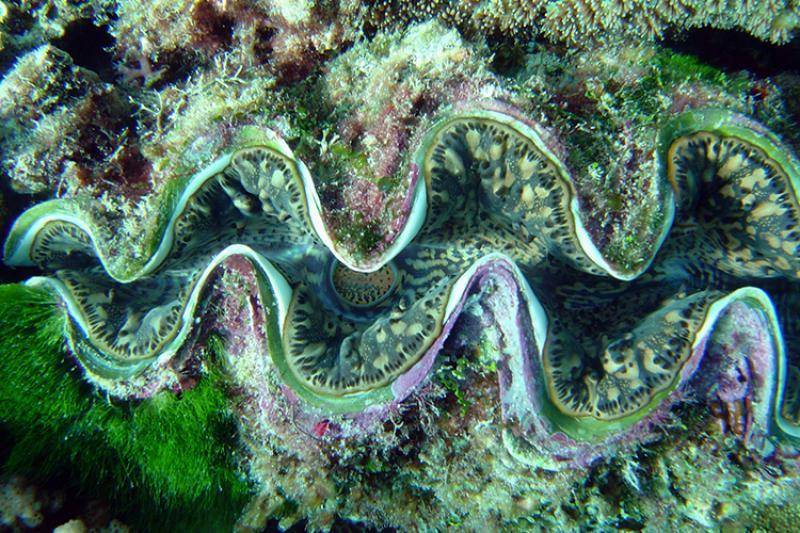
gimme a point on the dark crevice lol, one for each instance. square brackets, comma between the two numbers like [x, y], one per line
[509, 56]
[89, 46]
[215, 28]
[14, 29]
[174, 67]
[732, 51]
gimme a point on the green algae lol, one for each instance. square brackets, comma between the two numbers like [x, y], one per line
[672, 68]
[158, 460]
[454, 383]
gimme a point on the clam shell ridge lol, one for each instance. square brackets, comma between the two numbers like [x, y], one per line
[489, 204]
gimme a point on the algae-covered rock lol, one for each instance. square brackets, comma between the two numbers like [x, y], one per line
[316, 262]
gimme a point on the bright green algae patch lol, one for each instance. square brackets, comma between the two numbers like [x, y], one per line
[166, 457]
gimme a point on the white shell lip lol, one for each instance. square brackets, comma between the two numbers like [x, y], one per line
[584, 238]
[537, 137]
[415, 218]
[281, 290]
[20, 255]
[759, 300]
[536, 311]
[594, 254]
[413, 223]
[415, 214]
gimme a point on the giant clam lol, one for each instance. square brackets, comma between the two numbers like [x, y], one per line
[492, 222]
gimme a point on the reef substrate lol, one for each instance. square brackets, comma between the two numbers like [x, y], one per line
[404, 286]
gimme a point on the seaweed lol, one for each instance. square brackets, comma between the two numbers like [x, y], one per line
[166, 461]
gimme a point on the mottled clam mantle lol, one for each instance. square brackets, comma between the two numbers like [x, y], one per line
[493, 228]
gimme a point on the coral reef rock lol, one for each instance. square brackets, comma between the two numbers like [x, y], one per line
[557, 294]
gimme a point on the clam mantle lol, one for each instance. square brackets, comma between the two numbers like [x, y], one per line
[491, 226]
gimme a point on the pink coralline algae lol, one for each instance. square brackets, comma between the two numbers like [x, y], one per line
[364, 197]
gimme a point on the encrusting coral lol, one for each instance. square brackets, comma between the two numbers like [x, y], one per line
[413, 279]
[583, 22]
